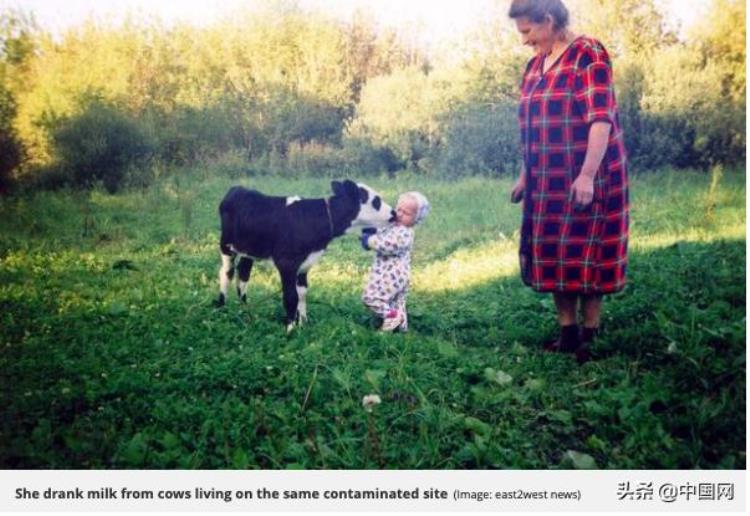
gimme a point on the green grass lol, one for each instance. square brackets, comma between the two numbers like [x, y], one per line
[113, 356]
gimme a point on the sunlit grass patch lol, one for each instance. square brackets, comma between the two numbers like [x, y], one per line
[468, 268]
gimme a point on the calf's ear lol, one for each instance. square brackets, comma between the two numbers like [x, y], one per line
[337, 188]
[363, 195]
[351, 188]
[346, 189]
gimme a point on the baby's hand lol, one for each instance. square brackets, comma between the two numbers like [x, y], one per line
[366, 234]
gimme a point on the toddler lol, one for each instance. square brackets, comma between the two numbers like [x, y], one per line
[385, 292]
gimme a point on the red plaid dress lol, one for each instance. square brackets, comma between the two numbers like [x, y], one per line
[563, 250]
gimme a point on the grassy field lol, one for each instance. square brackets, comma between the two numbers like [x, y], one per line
[114, 357]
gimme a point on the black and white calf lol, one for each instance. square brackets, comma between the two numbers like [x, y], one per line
[293, 232]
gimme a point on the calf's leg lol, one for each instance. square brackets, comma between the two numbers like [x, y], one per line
[288, 273]
[302, 297]
[244, 266]
[226, 273]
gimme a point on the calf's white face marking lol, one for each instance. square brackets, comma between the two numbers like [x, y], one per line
[373, 212]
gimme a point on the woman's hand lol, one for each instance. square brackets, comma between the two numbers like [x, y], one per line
[516, 194]
[582, 191]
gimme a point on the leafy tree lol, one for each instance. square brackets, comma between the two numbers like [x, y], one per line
[99, 144]
[283, 85]
[10, 147]
[720, 39]
[18, 33]
[371, 52]
[17, 47]
[397, 111]
[694, 93]
[480, 138]
[626, 27]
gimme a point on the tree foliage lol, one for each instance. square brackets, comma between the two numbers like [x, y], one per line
[99, 144]
[17, 47]
[280, 86]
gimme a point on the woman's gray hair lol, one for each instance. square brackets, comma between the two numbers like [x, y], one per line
[537, 11]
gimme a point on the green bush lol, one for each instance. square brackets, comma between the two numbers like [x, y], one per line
[190, 133]
[479, 139]
[295, 93]
[10, 157]
[398, 112]
[100, 145]
[365, 157]
[10, 147]
[660, 140]
[312, 159]
[296, 119]
[355, 157]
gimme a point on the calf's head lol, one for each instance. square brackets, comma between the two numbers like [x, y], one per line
[367, 206]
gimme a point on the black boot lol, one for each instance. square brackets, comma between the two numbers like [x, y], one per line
[568, 342]
[583, 353]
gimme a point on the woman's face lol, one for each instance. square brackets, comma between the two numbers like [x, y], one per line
[538, 36]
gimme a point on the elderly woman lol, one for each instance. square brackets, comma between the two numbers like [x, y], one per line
[573, 183]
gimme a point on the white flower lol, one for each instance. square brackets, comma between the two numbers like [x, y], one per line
[370, 401]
